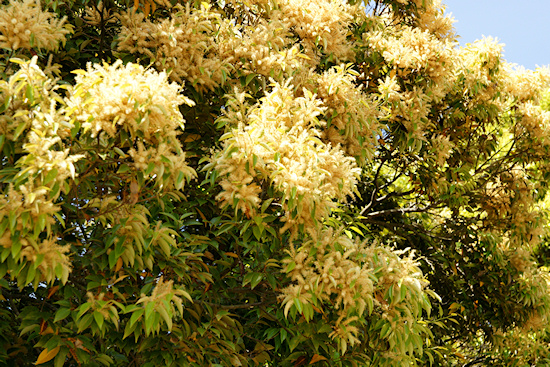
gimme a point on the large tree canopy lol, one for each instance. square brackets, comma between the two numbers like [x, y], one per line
[268, 183]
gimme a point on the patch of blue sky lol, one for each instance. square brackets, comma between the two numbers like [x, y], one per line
[524, 27]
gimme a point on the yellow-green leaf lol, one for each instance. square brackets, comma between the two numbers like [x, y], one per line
[47, 355]
[317, 358]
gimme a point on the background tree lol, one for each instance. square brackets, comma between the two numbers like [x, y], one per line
[266, 182]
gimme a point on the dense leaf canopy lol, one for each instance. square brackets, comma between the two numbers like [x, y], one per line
[268, 183]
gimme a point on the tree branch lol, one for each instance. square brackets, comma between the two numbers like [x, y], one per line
[393, 194]
[411, 209]
[393, 227]
[375, 191]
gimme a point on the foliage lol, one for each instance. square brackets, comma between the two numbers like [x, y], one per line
[270, 183]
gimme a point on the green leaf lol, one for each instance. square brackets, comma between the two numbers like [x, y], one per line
[290, 266]
[20, 128]
[180, 180]
[386, 330]
[29, 93]
[253, 279]
[129, 329]
[150, 167]
[149, 310]
[165, 313]
[3, 225]
[257, 233]
[370, 304]
[249, 79]
[30, 274]
[123, 168]
[83, 308]
[294, 342]
[221, 313]
[16, 248]
[61, 314]
[149, 323]
[105, 359]
[270, 333]
[60, 358]
[293, 192]
[256, 279]
[84, 323]
[12, 216]
[98, 317]
[41, 223]
[266, 204]
[283, 334]
[4, 106]
[120, 152]
[52, 174]
[299, 305]
[112, 259]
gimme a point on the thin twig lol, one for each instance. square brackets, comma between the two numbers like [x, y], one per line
[411, 209]
[375, 191]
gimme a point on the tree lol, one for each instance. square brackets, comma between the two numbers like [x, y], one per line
[271, 183]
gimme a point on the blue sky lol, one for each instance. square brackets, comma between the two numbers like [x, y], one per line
[523, 26]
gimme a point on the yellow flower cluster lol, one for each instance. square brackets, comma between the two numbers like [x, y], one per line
[29, 208]
[109, 97]
[532, 286]
[330, 275]
[144, 104]
[520, 258]
[411, 50]
[185, 44]
[264, 49]
[50, 258]
[526, 85]
[48, 124]
[163, 299]
[433, 19]
[321, 24]
[353, 115]
[39, 112]
[535, 122]
[24, 25]
[26, 207]
[512, 197]
[413, 112]
[46, 120]
[134, 225]
[440, 149]
[279, 141]
[43, 160]
[478, 67]
[35, 120]
[423, 61]
[356, 279]
[163, 158]
[502, 192]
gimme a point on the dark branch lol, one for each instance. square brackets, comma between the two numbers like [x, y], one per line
[411, 209]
